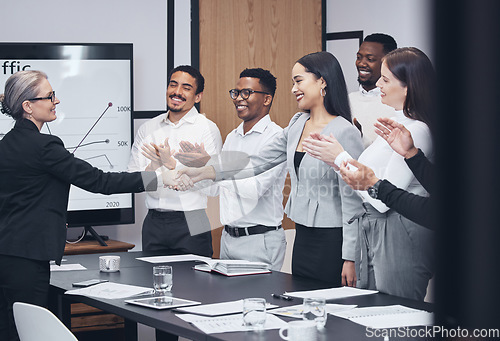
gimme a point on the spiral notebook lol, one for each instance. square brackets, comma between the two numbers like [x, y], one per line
[392, 316]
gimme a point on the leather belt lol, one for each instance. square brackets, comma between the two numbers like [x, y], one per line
[247, 231]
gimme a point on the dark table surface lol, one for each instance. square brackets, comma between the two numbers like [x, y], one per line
[210, 288]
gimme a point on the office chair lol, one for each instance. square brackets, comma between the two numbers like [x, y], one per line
[36, 323]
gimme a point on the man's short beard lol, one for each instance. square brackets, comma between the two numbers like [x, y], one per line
[173, 110]
[366, 83]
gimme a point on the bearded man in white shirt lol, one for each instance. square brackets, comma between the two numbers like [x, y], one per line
[176, 222]
[366, 105]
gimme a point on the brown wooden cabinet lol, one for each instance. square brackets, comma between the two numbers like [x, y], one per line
[86, 318]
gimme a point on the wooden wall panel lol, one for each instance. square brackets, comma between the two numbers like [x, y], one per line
[271, 34]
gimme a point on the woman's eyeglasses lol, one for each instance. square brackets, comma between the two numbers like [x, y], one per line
[52, 97]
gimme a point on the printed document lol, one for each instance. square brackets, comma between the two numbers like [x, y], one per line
[333, 293]
[393, 316]
[111, 290]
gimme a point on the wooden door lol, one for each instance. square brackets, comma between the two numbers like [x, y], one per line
[239, 34]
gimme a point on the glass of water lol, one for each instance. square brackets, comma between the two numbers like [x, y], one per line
[254, 313]
[162, 279]
[314, 309]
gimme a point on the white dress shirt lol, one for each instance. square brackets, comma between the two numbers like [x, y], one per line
[389, 165]
[366, 107]
[257, 200]
[193, 127]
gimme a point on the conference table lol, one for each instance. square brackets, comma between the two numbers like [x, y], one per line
[205, 288]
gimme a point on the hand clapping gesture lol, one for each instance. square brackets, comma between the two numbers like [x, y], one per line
[192, 155]
[398, 137]
[322, 147]
[360, 178]
[160, 155]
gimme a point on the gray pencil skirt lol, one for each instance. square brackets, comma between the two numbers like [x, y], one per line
[393, 254]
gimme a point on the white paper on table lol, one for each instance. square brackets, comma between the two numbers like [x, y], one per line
[296, 310]
[110, 290]
[171, 259]
[216, 309]
[332, 293]
[67, 267]
[393, 316]
[228, 323]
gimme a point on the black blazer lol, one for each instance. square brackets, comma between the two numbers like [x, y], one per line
[35, 176]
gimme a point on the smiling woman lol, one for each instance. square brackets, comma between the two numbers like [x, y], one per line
[36, 172]
[320, 203]
[42, 108]
[400, 259]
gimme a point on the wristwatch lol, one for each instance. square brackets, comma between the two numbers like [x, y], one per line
[373, 190]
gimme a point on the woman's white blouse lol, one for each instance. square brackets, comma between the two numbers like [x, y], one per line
[389, 165]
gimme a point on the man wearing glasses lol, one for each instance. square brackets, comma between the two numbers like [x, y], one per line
[251, 210]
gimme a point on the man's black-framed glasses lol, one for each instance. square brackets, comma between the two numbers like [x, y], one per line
[52, 97]
[245, 93]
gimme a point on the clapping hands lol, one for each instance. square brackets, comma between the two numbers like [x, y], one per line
[192, 155]
[359, 177]
[397, 136]
[160, 155]
[322, 147]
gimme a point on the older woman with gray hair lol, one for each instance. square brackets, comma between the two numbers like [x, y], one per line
[36, 172]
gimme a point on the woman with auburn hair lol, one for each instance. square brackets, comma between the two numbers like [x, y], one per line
[395, 255]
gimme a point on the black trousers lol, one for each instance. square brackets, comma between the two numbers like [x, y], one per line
[21, 280]
[317, 253]
[176, 233]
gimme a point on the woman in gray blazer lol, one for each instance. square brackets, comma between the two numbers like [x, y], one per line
[320, 203]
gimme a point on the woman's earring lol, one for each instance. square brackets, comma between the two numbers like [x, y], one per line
[322, 92]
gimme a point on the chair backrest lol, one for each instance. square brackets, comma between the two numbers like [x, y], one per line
[35, 323]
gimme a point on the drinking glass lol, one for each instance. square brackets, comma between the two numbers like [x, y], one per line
[162, 279]
[254, 313]
[314, 309]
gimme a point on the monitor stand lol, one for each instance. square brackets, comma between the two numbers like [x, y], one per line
[95, 235]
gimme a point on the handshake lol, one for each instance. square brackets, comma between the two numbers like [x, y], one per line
[194, 157]
[185, 178]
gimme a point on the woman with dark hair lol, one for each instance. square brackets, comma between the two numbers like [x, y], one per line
[320, 203]
[395, 254]
[36, 172]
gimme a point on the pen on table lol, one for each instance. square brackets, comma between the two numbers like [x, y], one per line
[284, 297]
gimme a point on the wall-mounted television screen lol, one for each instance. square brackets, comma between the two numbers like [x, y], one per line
[94, 119]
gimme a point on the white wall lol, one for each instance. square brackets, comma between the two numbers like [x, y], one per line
[408, 21]
[95, 21]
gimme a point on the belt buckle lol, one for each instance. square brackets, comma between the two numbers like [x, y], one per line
[236, 232]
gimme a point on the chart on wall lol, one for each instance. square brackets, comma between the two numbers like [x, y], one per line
[93, 116]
